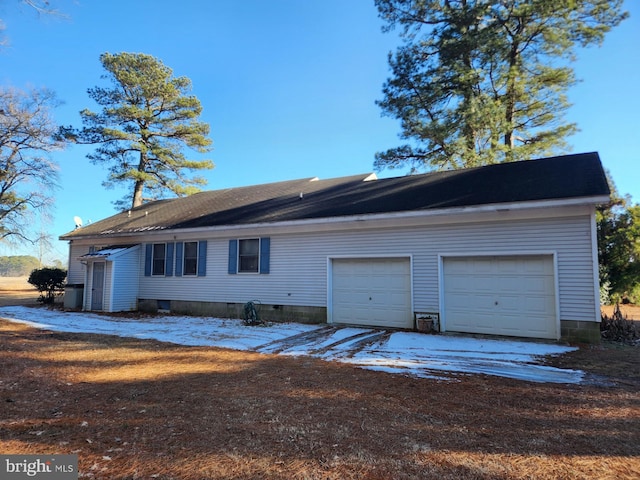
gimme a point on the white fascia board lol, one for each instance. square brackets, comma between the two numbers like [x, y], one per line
[489, 212]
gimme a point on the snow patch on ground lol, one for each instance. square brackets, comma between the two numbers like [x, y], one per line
[406, 353]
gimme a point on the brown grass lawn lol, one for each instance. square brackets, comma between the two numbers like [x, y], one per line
[17, 291]
[631, 312]
[137, 409]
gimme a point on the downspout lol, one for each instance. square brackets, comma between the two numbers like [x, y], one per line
[596, 270]
[112, 283]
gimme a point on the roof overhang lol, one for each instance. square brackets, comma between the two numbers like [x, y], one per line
[498, 211]
[108, 253]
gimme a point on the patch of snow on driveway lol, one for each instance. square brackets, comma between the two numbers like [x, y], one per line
[404, 353]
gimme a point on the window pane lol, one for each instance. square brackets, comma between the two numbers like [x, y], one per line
[158, 258]
[158, 250]
[249, 247]
[190, 258]
[190, 249]
[190, 266]
[248, 255]
[249, 264]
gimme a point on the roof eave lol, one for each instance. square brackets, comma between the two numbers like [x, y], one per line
[108, 255]
[426, 213]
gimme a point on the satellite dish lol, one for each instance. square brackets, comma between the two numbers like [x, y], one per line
[78, 221]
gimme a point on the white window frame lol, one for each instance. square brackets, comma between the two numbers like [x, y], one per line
[184, 259]
[153, 260]
[257, 255]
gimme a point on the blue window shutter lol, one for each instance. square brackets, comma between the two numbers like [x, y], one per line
[233, 256]
[265, 250]
[147, 259]
[202, 258]
[179, 258]
[168, 261]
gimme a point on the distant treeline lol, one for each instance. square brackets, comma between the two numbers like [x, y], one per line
[18, 265]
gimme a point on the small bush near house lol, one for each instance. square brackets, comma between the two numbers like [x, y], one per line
[49, 282]
[618, 328]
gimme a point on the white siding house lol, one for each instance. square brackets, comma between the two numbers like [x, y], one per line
[519, 267]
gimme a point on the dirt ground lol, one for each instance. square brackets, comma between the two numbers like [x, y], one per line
[144, 409]
[17, 291]
[631, 312]
[139, 409]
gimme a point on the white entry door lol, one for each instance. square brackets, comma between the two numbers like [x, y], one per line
[501, 295]
[372, 292]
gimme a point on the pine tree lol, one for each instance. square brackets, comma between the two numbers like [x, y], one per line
[147, 118]
[479, 81]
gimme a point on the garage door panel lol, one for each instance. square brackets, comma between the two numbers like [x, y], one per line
[459, 267]
[539, 304]
[479, 267]
[372, 292]
[545, 268]
[482, 302]
[501, 295]
[505, 266]
[344, 282]
[485, 321]
[398, 299]
[381, 282]
[508, 303]
[460, 283]
[530, 286]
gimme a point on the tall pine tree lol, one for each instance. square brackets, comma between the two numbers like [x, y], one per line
[480, 81]
[147, 118]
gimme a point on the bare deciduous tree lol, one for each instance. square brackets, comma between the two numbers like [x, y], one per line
[42, 7]
[28, 174]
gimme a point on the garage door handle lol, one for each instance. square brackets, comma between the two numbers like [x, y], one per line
[496, 302]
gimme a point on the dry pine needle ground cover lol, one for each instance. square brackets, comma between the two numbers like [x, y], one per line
[144, 409]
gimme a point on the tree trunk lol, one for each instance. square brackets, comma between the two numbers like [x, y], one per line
[510, 107]
[468, 131]
[137, 194]
[138, 186]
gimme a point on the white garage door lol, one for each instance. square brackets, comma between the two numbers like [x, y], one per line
[372, 292]
[501, 295]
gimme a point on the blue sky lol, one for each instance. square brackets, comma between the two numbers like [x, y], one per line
[287, 86]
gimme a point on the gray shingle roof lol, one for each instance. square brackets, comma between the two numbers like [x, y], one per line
[562, 177]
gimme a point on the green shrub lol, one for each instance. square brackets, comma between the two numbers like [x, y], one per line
[634, 294]
[605, 293]
[49, 282]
